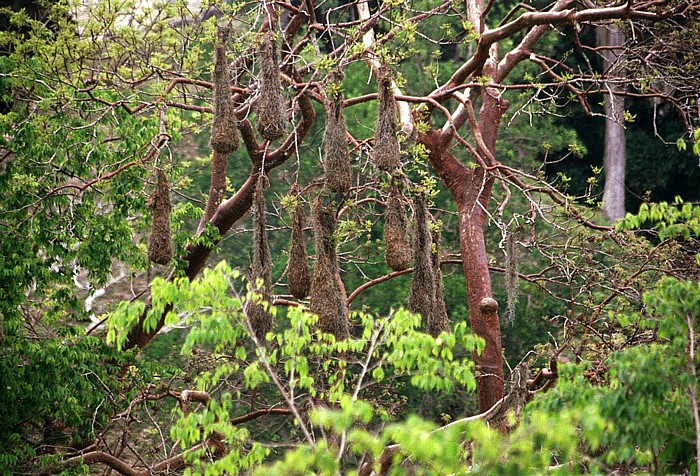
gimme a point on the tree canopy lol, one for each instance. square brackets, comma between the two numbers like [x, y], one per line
[346, 238]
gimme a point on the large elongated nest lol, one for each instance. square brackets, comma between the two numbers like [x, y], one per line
[397, 245]
[387, 151]
[261, 269]
[224, 133]
[336, 160]
[328, 297]
[427, 294]
[298, 271]
[440, 321]
[160, 243]
[421, 298]
[270, 107]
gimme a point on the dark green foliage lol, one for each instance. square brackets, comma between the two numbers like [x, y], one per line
[59, 392]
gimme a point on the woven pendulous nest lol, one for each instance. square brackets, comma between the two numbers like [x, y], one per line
[328, 298]
[421, 299]
[160, 243]
[387, 152]
[270, 107]
[439, 321]
[298, 272]
[397, 246]
[336, 161]
[261, 270]
[224, 132]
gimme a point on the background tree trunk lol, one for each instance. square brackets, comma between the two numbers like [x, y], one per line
[614, 156]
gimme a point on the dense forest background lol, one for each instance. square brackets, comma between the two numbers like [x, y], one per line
[348, 238]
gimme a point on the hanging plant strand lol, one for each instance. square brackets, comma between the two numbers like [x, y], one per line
[160, 243]
[224, 133]
[511, 277]
[298, 271]
[271, 112]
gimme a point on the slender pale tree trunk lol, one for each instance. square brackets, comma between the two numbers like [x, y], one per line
[612, 37]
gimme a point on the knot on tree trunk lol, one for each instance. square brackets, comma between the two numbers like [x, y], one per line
[488, 305]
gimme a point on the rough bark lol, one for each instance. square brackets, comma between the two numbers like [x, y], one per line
[471, 190]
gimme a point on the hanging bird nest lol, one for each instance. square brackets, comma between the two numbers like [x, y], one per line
[298, 272]
[328, 298]
[439, 321]
[387, 151]
[261, 270]
[224, 131]
[336, 161]
[160, 243]
[271, 111]
[397, 246]
[421, 299]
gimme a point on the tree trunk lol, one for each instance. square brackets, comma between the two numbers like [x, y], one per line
[471, 189]
[614, 155]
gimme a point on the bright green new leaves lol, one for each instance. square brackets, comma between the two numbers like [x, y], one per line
[297, 362]
[671, 220]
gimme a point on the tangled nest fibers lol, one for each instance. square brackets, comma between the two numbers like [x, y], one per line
[328, 299]
[397, 246]
[425, 287]
[387, 152]
[271, 112]
[160, 243]
[440, 322]
[261, 270]
[224, 133]
[336, 163]
[298, 272]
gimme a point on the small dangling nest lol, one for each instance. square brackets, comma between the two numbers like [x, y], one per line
[160, 243]
[224, 131]
[261, 270]
[439, 322]
[397, 246]
[387, 151]
[298, 272]
[511, 277]
[336, 161]
[328, 299]
[271, 112]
